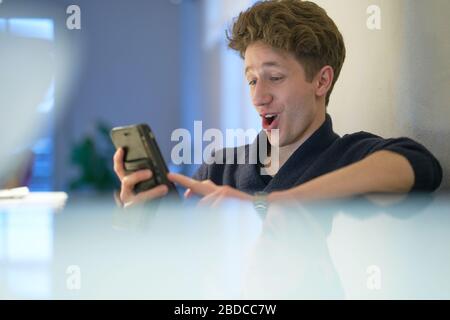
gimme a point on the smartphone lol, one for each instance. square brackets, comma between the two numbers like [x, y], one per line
[142, 152]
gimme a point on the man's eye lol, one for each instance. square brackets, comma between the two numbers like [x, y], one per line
[275, 78]
[252, 82]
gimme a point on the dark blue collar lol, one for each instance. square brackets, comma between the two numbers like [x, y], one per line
[302, 158]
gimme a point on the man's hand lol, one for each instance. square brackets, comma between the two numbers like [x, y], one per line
[127, 196]
[213, 195]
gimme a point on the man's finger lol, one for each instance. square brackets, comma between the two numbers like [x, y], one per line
[208, 199]
[188, 193]
[117, 199]
[194, 185]
[153, 193]
[118, 163]
[131, 180]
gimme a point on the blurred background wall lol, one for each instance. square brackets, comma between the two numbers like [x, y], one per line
[165, 62]
[395, 80]
[130, 73]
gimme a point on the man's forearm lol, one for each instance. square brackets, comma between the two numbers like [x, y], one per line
[382, 171]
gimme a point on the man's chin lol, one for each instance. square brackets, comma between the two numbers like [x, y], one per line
[275, 140]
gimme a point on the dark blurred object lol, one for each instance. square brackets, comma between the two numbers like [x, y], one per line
[93, 156]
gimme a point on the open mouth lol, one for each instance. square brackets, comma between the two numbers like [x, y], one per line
[269, 119]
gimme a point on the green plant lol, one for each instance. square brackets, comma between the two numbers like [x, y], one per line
[93, 157]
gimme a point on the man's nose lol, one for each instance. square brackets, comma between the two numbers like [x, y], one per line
[261, 95]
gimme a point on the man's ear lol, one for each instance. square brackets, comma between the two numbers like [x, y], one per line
[324, 80]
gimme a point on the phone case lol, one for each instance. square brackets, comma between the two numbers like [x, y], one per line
[142, 152]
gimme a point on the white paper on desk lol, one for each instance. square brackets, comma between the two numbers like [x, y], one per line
[14, 193]
[46, 199]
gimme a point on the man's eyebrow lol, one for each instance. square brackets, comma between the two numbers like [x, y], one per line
[264, 65]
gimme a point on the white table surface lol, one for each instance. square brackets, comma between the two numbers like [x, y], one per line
[345, 250]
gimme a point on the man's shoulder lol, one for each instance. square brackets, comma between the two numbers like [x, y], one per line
[360, 136]
[360, 139]
[363, 138]
[355, 146]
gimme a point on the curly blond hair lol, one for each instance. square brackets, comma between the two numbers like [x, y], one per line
[301, 28]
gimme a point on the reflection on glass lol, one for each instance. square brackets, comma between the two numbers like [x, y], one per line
[26, 249]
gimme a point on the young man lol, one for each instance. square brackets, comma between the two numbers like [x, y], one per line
[293, 55]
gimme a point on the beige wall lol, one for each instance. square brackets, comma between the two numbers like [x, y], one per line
[395, 81]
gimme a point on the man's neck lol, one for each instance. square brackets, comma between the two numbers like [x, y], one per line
[285, 152]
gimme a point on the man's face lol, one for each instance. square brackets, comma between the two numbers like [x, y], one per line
[281, 95]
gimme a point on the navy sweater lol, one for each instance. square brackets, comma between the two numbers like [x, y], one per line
[323, 152]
